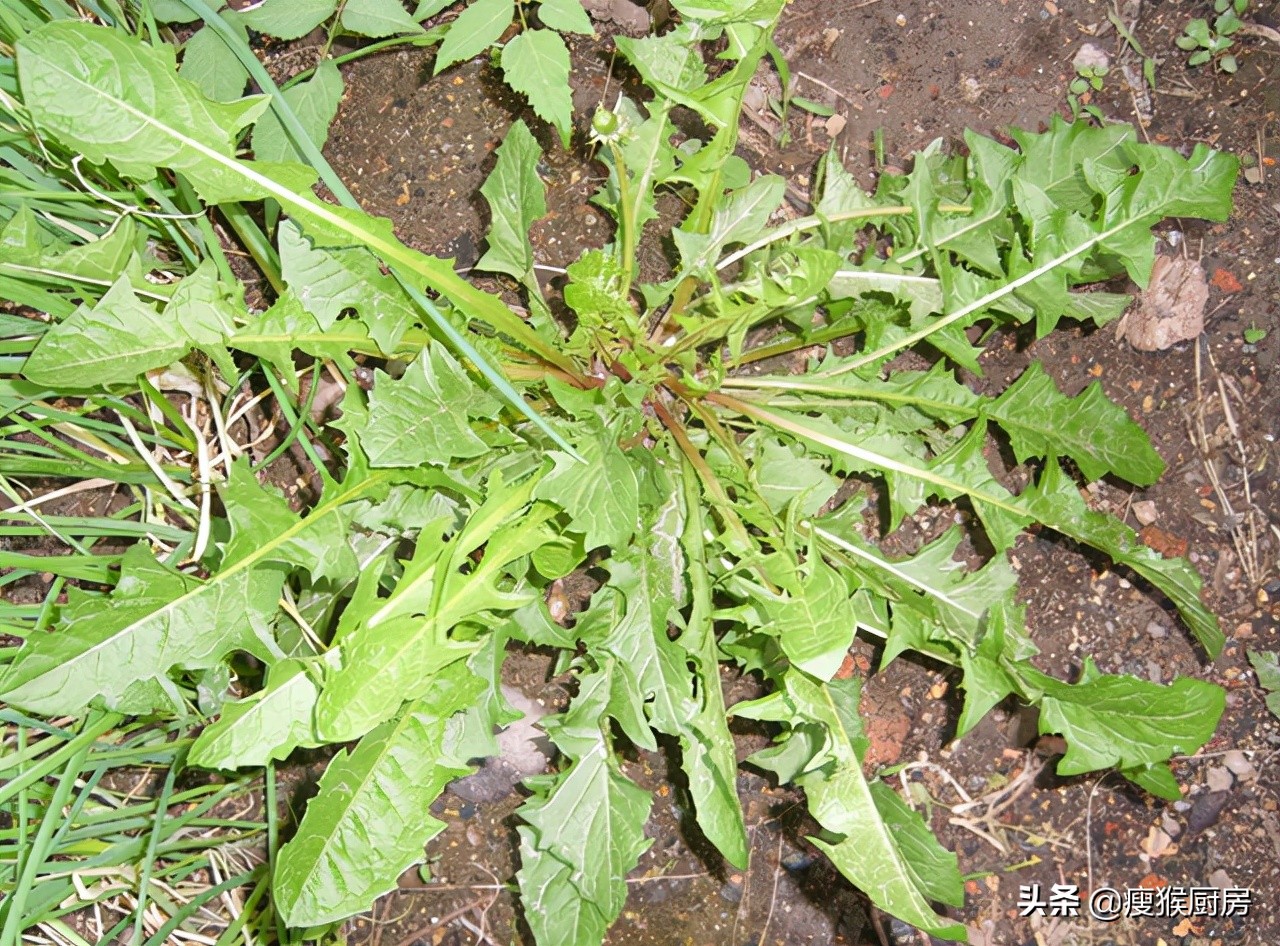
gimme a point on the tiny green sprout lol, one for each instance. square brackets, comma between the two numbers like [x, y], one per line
[1091, 65]
[1088, 78]
[1253, 334]
[1208, 43]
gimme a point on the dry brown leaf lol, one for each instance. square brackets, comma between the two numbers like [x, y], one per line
[1171, 309]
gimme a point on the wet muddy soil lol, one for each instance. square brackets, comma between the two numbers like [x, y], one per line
[899, 74]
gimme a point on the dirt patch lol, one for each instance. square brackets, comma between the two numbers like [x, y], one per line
[899, 75]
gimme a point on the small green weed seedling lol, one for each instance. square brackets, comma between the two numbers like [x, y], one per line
[607, 423]
[1211, 43]
[1088, 78]
[1266, 664]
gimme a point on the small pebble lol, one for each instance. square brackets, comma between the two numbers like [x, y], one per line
[1157, 630]
[1219, 779]
[1205, 811]
[732, 890]
[798, 861]
[1240, 766]
[1144, 510]
[1091, 57]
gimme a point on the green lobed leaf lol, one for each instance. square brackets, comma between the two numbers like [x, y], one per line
[209, 62]
[1057, 503]
[477, 28]
[1054, 501]
[885, 855]
[601, 495]
[816, 621]
[706, 745]
[377, 18]
[584, 830]
[122, 119]
[121, 336]
[787, 478]
[314, 101]
[536, 64]
[593, 821]
[1053, 161]
[117, 652]
[986, 679]
[1095, 432]
[120, 654]
[404, 639]
[263, 727]
[595, 293]
[628, 620]
[516, 198]
[255, 510]
[759, 12]
[981, 235]
[328, 281]
[567, 16]
[919, 397]
[205, 307]
[668, 61]
[935, 869]
[111, 342]
[289, 19]
[23, 242]
[554, 909]
[922, 294]
[649, 160]
[422, 417]
[1165, 185]
[370, 820]
[1124, 721]
[875, 855]
[287, 327]
[952, 600]
[738, 218]
[86, 85]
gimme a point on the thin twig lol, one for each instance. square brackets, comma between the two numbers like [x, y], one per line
[773, 898]
[1088, 830]
[1263, 32]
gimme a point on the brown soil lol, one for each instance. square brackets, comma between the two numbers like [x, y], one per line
[418, 150]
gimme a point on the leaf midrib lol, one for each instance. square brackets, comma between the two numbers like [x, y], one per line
[253, 558]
